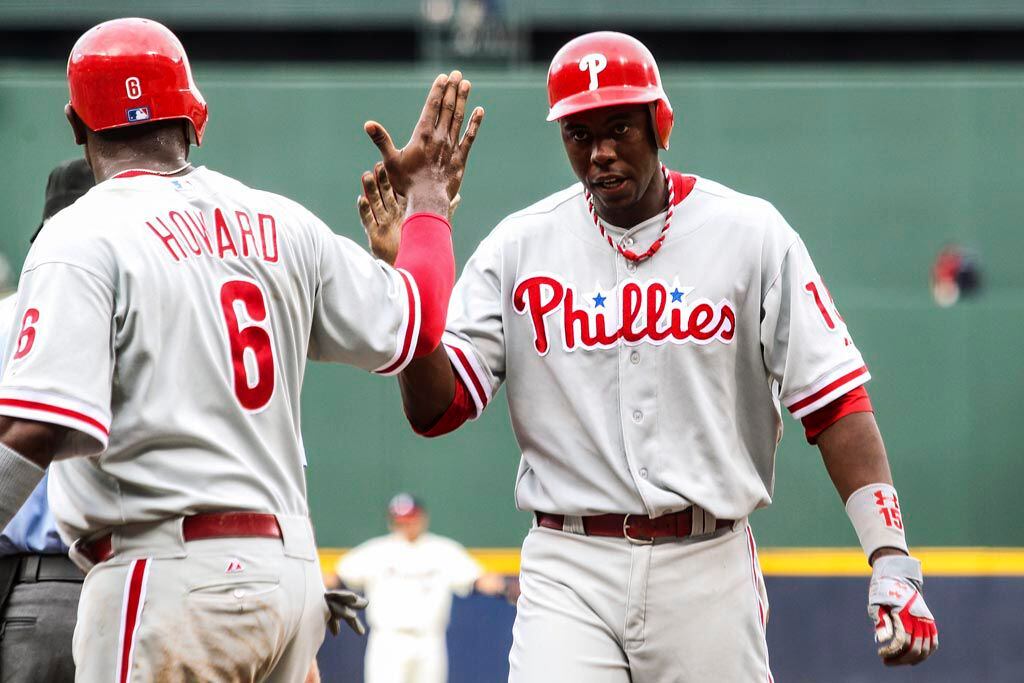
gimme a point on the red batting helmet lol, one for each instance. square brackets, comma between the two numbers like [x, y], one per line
[129, 71]
[606, 69]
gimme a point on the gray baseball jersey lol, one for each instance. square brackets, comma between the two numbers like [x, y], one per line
[644, 388]
[167, 321]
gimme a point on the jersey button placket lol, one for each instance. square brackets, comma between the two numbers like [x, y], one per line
[634, 393]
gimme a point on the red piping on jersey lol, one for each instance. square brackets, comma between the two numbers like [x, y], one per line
[461, 409]
[33, 405]
[403, 357]
[827, 388]
[854, 401]
[425, 251]
[477, 386]
[133, 173]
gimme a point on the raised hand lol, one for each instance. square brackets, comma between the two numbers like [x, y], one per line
[382, 211]
[428, 171]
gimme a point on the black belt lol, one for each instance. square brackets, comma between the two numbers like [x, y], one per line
[37, 568]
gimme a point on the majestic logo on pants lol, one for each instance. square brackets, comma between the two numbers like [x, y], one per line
[632, 313]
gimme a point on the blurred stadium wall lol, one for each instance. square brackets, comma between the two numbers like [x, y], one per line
[882, 131]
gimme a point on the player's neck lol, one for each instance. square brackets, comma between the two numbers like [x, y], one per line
[653, 202]
[110, 167]
[164, 155]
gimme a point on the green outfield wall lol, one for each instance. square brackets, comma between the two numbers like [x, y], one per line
[877, 169]
[285, 13]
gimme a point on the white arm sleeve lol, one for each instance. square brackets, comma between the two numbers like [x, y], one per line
[366, 313]
[354, 568]
[807, 348]
[474, 336]
[463, 571]
[60, 356]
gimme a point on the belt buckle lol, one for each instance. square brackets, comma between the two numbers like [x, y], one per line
[635, 540]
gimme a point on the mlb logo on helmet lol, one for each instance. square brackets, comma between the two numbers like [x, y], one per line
[138, 114]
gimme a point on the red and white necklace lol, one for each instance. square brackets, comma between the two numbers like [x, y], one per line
[629, 254]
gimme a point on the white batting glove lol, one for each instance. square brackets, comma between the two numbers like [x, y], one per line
[904, 627]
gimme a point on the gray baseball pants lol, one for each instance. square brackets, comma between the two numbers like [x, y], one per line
[607, 610]
[222, 610]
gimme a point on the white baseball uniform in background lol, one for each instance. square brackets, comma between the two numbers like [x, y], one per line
[167, 322]
[410, 587]
[646, 389]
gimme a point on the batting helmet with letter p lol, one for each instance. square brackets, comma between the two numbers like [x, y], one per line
[130, 71]
[606, 69]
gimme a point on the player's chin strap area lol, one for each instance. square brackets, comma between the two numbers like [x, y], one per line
[904, 626]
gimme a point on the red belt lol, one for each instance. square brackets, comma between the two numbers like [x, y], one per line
[633, 527]
[197, 528]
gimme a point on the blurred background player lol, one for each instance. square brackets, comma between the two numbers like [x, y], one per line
[409, 577]
[39, 584]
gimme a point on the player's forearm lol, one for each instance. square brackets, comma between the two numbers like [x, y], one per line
[855, 457]
[426, 253]
[428, 388]
[35, 441]
[854, 454]
[26, 449]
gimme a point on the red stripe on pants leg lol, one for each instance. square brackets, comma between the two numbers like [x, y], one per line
[131, 614]
[752, 552]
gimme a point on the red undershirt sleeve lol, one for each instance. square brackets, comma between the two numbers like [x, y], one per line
[425, 252]
[461, 409]
[854, 401]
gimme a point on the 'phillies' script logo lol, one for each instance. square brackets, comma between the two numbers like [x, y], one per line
[632, 313]
[595, 64]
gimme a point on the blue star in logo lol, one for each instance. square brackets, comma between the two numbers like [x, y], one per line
[599, 301]
[677, 296]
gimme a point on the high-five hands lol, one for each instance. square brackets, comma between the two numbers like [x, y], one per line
[382, 211]
[428, 171]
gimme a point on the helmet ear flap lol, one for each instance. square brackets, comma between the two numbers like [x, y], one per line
[663, 118]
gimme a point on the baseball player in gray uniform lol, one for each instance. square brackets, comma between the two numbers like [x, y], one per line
[650, 326]
[161, 333]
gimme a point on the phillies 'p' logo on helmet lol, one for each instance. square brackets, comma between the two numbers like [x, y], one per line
[595, 64]
[129, 71]
[606, 69]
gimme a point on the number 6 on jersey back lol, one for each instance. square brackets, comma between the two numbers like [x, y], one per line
[249, 343]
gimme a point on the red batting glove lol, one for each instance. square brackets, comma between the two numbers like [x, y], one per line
[904, 626]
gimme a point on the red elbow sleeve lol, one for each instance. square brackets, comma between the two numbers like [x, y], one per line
[460, 410]
[425, 252]
[853, 401]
